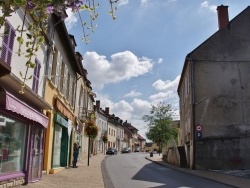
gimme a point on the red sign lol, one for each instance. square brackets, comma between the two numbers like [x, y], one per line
[198, 128]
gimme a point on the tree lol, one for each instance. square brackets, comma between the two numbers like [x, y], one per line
[160, 127]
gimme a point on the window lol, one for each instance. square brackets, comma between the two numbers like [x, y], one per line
[36, 76]
[54, 64]
[72, 99]
[8, 43]
[65, 81]
[57, 61]
[61, 88]
[12, 145]
[67, 87]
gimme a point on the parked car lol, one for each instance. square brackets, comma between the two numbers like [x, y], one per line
[137, 149]
[111, 151]
[126, 150]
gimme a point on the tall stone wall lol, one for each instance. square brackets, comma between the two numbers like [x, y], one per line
[223, 153]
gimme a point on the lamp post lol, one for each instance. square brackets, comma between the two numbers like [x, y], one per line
[91, 130]
[159, 141]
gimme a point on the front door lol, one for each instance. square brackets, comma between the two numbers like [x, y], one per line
[36, 155]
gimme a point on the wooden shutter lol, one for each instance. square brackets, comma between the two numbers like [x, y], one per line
[36, 76]
[58, 68]
[65, 81]
[8, 43]
[50, 62]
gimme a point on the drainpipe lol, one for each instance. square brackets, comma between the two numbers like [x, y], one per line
[193, 111]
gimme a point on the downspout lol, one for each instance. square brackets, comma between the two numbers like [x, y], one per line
[193, 111]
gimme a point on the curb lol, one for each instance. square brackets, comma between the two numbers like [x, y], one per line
[225, 179]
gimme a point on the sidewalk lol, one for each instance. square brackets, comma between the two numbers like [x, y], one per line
[83, 176]
[227, 177]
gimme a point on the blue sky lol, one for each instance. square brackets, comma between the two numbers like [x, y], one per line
[136, 60]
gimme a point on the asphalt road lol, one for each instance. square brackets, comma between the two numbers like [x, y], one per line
[134, 171]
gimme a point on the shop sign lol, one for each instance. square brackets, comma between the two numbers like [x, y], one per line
[60, 120]
[20, 107]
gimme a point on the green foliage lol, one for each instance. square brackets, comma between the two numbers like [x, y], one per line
[105, 137]
[160, 123]
[91, 129]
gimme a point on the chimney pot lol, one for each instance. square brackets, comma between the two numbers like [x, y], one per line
[98, 105]
[107, 110]
[223, 18]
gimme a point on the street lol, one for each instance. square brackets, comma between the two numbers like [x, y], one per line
[133, 170]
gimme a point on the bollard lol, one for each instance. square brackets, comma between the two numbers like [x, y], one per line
[151, 154]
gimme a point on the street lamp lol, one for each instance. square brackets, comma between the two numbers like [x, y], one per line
[159, 141]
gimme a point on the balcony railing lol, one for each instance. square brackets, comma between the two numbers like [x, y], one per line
[84, 114]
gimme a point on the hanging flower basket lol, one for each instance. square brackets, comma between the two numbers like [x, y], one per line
[105, 138]
[91, 129]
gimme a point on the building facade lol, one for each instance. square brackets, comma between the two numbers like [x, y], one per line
[214, 97]
[23, 117]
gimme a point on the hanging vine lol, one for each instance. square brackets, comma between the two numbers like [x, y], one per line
[39, 11]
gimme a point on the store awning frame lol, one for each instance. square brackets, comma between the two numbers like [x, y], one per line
[11, 103]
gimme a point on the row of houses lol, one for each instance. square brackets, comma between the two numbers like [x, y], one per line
[214, 95]
[40, 122]
[119, 133]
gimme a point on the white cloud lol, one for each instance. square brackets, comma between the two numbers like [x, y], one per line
[71, 20]
[144, 2]
[167, 85]
[123, 2]
[160, 60]
[122, 66]
[132, 94]
[168, 93]
[207, 5]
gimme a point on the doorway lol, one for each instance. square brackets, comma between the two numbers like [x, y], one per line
[36, 153]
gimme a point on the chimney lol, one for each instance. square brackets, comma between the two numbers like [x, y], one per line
[97, 105]
[107, 110]
[223, 19]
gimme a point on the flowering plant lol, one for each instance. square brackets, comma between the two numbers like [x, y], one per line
[40, 11]
[105, 137]
[91, 129]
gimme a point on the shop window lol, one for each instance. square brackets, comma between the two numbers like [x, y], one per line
[12, 145]
[57, 146]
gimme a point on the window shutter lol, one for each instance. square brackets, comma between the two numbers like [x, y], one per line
[73, 92]
[50, 62]
[58, 68]
[36, 76]
[8, 43]
[65, 82]
[70, 89]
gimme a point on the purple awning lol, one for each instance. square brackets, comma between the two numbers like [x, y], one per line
[15, 105]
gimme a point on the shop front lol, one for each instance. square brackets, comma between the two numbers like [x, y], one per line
[21, 140]
[60, 142]
[63, 119]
